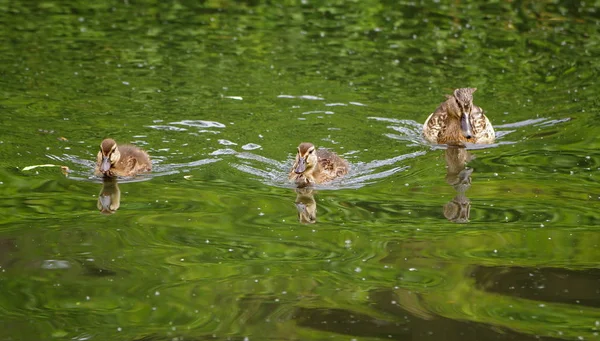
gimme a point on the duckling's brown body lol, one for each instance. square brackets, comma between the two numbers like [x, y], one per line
[124, 160]
[458, 120]
[316, 166]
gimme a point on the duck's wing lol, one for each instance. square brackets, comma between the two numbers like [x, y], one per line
[134, 159]
[130, 165]
[331, 163]
[434, 125]
[481, 126]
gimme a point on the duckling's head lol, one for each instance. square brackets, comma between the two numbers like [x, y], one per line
[306, 159]
[464, 101]
[110, 155]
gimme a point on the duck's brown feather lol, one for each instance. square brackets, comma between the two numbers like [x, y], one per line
[443, 125]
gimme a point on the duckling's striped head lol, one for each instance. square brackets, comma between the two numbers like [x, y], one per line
[110, 154]
[306, 159]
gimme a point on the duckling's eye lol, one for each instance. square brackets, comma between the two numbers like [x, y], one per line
[311, 151]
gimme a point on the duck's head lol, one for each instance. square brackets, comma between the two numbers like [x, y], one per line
[110, 155]
[306, 159]
[464, 101]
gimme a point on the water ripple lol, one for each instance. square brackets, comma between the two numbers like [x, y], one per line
[309, 97]
[412, 131]
[200, 124]
[166, 127]
[275, 173]
[251, 146]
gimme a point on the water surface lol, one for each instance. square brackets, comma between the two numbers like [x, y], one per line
[419, 242]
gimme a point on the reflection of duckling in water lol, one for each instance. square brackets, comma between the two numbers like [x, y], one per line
[125, 160]
[458, 120]
[316, 166]
[306, 206]
[109, 198]
[458, 176]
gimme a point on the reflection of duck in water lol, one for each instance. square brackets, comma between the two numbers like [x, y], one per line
[306, 206]
[458, 176]
[109, 198]
[458, 209]
[125, 160]
[316, 166]
[458, 120]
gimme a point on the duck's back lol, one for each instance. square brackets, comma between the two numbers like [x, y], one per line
[133, 160]
[331, 165]
[435, 125]
[483, 130]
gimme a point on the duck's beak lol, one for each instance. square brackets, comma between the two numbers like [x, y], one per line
[105, 165]
[301, 166]
[465, 125]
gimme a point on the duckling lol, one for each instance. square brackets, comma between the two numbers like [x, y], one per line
[125, 160]
[457, 120]
[316, 166]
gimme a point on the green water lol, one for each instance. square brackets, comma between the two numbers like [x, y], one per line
[220, 93]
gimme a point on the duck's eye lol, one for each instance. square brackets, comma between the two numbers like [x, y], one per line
[311, 151]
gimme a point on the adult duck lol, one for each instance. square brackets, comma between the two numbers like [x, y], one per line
[458, 120]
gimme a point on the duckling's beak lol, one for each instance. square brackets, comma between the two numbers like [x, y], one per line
[465, 125]
[301, 166]
[105, 165]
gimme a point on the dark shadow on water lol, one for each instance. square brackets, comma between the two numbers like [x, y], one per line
[580, 287]
[400, 324]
